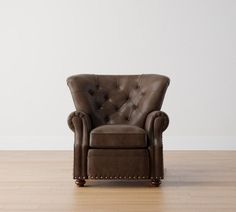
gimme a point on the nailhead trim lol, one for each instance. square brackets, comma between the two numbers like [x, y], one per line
[80, 177]
[155, 177]
[118, 177]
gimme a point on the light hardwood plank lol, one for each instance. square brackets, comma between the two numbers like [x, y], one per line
[42, 181]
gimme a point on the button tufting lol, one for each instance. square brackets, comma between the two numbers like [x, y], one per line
[116, 108]
[99, 107]
[127, 118]
[106, 118]
[106, 97]
[91, 92]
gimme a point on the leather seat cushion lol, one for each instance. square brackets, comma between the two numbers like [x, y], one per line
[118, 136]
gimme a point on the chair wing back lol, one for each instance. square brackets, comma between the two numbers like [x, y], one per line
[118, 99]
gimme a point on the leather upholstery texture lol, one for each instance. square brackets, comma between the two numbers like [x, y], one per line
[118, 99]
[118, 136]
[118, 125]
[118, 164]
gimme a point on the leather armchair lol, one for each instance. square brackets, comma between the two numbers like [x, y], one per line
[118, 126]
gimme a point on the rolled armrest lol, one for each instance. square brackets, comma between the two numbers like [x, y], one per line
[76, 117]
[156, 123]
[80, 123]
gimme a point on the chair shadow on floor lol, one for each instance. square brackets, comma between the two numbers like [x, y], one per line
[210, 177]
[119, 183]
[198, 177]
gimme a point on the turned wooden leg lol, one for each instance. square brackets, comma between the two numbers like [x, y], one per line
[156, 182]
[80, 182]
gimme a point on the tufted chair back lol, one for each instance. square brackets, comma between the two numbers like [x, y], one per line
[118, 99]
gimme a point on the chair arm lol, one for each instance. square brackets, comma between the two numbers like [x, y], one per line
[156, 123]
[80, 123]
[76, 117]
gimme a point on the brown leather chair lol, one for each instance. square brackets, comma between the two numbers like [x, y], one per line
[118, 126]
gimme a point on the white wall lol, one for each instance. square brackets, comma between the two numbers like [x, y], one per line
[43, 42]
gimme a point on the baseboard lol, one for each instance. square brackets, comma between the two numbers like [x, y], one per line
[36, 143]
[66, 142]
[199, 142]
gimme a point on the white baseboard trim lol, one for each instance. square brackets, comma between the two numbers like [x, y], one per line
[36, 142]
[66, 142]
[199, 142]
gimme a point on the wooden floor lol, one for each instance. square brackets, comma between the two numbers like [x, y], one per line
[42, 181]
